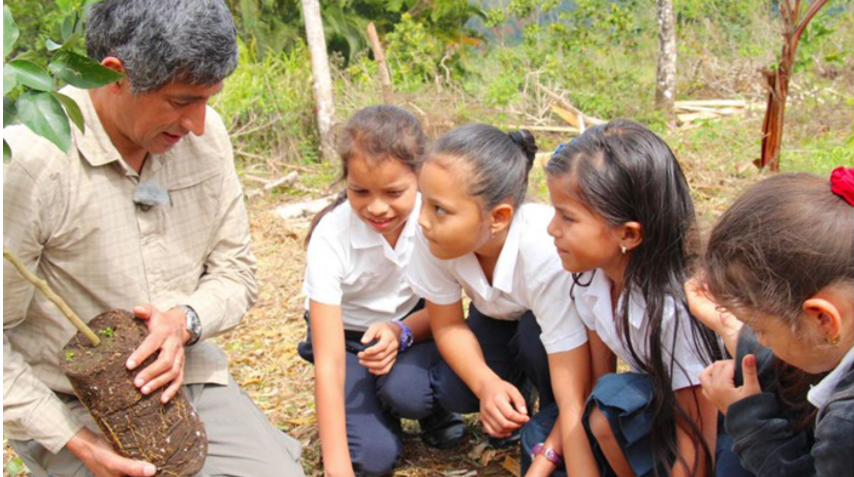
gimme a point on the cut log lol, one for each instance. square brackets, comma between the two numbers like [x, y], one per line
[171, 436]
[282, 181]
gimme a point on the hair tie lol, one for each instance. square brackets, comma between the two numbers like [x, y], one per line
[842, 183]
[559, 147]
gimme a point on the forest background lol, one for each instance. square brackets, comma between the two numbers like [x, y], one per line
[502, 62]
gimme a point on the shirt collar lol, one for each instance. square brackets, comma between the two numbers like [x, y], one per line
[597, 297]
[362, 236]
[94, 143]
[502, 276]
[820, 394]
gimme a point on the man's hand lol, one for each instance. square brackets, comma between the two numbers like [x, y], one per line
[380, 358]
[502, 408]
[718, 381]
[102, 461]
[167, 332]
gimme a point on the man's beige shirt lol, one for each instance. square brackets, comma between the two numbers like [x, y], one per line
[71, 218]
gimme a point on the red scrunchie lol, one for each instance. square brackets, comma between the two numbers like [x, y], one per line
[842, 183]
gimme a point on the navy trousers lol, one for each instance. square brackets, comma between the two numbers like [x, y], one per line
[512, 349]
[374, 405]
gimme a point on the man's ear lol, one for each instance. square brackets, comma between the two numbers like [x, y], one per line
[630, 235]
[116, 65]
[500, 217]
[823, 313]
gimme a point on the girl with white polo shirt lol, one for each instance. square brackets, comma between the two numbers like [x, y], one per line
[369, 337]
[623, 225]
[478, 236]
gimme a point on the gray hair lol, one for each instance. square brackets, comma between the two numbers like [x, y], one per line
[499, 162]
[161, 41]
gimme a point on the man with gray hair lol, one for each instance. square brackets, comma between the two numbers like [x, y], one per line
[144, 212]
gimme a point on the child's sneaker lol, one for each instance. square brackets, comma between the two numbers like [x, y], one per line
[442, 429]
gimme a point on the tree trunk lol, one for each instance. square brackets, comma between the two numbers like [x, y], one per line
[320, 72]
[379, 56]
[778, 80]
[665, 79]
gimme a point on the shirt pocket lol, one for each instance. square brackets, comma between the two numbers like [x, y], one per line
[191, 221]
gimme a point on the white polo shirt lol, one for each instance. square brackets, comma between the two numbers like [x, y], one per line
[593, 307]
[350, 265]
[527, 276]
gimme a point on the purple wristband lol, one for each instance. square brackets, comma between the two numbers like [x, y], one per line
[406, 338]
[550, 454]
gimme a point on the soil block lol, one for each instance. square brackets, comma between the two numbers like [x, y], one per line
[170, 436]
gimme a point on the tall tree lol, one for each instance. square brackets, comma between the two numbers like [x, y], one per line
[322, 79]
[665, 79]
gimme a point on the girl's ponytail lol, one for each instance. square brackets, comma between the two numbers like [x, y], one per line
[525, 140]
[499, 162]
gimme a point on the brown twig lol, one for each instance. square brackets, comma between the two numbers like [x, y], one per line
[52, 296]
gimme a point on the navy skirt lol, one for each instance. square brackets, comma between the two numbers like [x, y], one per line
[625, 400]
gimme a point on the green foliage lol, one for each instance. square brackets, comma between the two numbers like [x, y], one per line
[274, 26]
[413, 55]
[29, 91]
[106, 332]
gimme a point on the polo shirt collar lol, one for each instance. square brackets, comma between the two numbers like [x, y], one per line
[502, 276]
[821, 393]
[597, 297]
[362, 236]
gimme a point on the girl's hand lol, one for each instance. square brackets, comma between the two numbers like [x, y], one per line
[502, 408]
[380, 357]
[718, 381]
[704, 307]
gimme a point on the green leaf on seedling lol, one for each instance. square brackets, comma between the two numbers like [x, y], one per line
[31, 74]
[52, 45]
[10, 31]
[7, 152]
[10, 114]
[43, 114]
[69, 355]
[67, 28]
[106, 332]
[10, 79]
[81, 71]
[72, 109]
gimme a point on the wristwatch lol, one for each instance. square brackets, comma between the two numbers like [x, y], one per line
[406, 338]
[194, 325]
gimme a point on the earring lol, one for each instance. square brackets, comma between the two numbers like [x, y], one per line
[834, 340]
[623, 249]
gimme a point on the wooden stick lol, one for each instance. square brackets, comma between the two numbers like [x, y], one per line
[567, 105]
[379, 56]
[53, 297]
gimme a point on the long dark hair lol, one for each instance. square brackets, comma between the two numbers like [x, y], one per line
[376, 133]
[499, 162]
[781, 242]
[624, 172]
